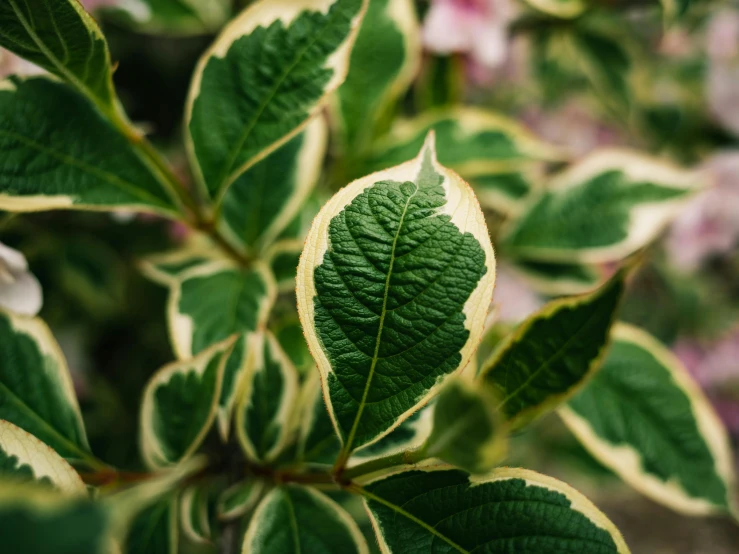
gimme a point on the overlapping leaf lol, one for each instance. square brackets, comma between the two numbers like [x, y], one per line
[238, 499]
[267, 74]
[600, 210]
[553, 353]
[294, 520]
[554, 279]
[393, 287]
[508, 510]
[644, 418]
[154, 530]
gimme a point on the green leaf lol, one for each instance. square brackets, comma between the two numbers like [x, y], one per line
[295, 520]
[269, 72]
[36, 520]
[36, 391]
[263, 416]
[180, 404]
[234, 373]
[606, 63]
[154, 530]
[384, 62]
[173, 17]
[68, 164]
[553, 353]
[60, 36]
[495, 154]
[318, 443]
[194, 513]
[555, 279]
[602, 209]
[565, 9]
[508, 510]
[266, 198]
[393, 286]
[24, 458]
[239, 499]
[210, 301]
[643, 417]
[468, 431]
[289, 333]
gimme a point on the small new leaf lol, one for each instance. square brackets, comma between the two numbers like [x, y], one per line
[295, 520]
[393, 286]
[267, 74]
[468, 430]
[508, 510]
[643, 417]
[553, 353]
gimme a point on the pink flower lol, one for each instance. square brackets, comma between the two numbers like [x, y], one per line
[709, 225]
[475, 27]
[722, 86]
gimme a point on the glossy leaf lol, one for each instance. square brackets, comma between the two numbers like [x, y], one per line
[508, 510]
[393, 287]
[180, 404]
[554, 279]
[263, 416]
[24, 459]
[266, 198]
[154, 530]
[40, 521]
[60, 36]
[643, 417]
[293, 520]
[604, 208]
[468, 431]
[268, 73]
[384, 61]
[211, 301]
[238, 499]
[553, 353]
[494, 153]
[68, 164]
[36, 391]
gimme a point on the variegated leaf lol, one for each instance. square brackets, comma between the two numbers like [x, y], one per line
[238, 499]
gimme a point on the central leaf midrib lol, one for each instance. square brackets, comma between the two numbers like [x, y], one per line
[383, 312]
[293, 522]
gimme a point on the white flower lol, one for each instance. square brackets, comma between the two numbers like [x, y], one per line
[475, 27]
[20, 291]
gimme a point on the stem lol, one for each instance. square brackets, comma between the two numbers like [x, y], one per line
[406, 457]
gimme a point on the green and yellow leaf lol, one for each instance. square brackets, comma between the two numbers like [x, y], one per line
[239, 499]
[495, 154]
[265, 199]
[507, 510]
[24, 458]
[36, 391]
[61, 37]
[393, 288]
[468, 431]
[271, 70]
[68, 164]
[295, 520]
[263, 416]
[234, 373]
[318, 443]
[384, 62]
[556, 279]
[180, 404]
[194, 514]
[155, 530]
[643, 417]
[565, 9]
[550, 356]
[602, 209]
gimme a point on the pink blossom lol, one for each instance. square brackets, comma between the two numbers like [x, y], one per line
[722, 86]
[475, 27]
[709, 225]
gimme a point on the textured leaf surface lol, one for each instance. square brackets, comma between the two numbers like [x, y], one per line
[600, 210]
[266, 198]
[468, 431]
[238, 499]
[209, 302]
[24, 458]
[508, 510]
[154, 530]
[61, 37]
[392, 288]
[67, 163]
[36, 392]
[180, 404]
[643, 417]
[295, 520]
[271, 391]
[267, 74]
[40, 521]
[384, 61]
[553, 353]
[495, 154]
